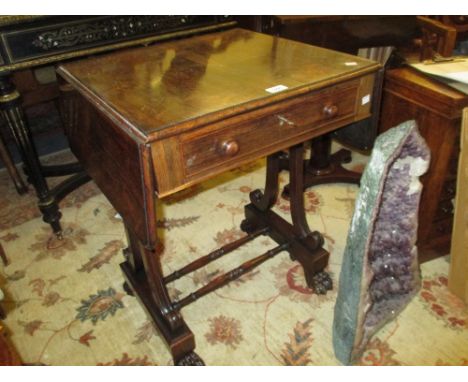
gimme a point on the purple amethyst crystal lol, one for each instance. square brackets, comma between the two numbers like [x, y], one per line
[380, 272]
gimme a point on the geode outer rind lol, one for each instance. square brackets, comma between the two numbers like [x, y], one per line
[380, 272]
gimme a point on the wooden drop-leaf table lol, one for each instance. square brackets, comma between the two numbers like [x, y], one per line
[148, 122]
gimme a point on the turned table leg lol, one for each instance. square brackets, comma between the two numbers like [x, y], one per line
[13, 113]
[20, 186]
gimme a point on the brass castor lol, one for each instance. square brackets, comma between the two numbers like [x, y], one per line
[322, 283]
[191, 359]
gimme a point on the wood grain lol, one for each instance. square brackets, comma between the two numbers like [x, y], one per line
[201, 79]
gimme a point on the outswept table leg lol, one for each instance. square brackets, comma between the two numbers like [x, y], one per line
[144, 279]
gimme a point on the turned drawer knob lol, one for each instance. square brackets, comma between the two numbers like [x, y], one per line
[229, 148]
[330, 110]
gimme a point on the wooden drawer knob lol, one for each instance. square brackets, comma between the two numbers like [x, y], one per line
[330, 110]
[229, 148]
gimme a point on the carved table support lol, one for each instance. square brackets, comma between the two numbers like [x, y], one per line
[144, 277]
[304, 246]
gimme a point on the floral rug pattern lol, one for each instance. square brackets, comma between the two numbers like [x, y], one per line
[66, 305]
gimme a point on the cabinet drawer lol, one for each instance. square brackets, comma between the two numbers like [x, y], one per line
[266, 131]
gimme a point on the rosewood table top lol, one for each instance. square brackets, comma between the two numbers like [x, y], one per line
[187, 81]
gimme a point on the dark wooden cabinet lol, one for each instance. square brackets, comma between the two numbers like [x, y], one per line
[437, 109]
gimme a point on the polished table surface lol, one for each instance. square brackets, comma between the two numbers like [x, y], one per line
[186, 81]
[150, 121]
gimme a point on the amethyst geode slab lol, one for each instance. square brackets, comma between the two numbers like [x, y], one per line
[380, 272]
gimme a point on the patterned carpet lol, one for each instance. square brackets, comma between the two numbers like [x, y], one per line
[66, 304]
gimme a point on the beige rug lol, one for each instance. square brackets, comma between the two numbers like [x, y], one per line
[66, 304]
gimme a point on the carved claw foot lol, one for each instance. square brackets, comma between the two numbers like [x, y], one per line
[127, 289]
[321, 283]
[191, 359]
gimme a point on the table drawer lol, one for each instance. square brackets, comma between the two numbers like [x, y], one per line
[268, 131]
[191, 156]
